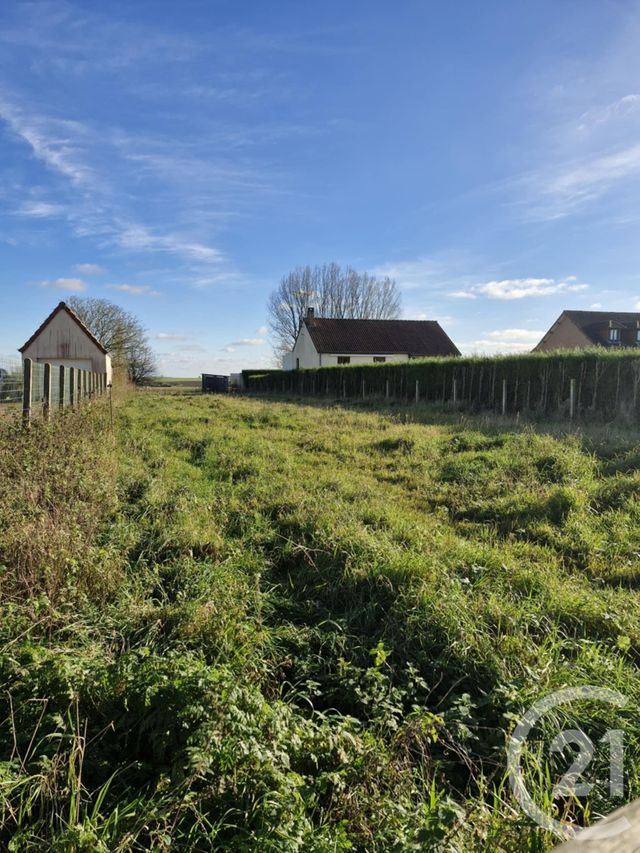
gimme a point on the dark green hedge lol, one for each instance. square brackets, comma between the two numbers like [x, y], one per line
[605, 381]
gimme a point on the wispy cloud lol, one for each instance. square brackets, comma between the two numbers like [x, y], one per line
[95, 207]
[248, 342]
[171, 336]
[411, 275]
[54, 142]
[521, 288]
[620, 108]
[592, 178]
[74, 285]
[140, 238]
[40, 209]
[134, 289]
[89, 269]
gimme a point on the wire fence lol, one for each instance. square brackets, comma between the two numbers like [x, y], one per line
[565, 383]
[10, 381]
[45, 388]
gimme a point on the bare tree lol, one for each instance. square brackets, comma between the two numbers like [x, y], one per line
[333, 292]
[120, 332]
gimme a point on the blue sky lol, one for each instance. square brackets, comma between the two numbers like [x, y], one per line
[178, 158]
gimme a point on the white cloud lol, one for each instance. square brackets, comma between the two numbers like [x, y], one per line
[171, 336]
[40, 209]
[521, 288]
[462, 294]
[228, 349]
[74, 285]
[595, 305]
[89, 269]
[262, 330]
[521, 335]
[490, 346]
[134, 289]
[248, 342]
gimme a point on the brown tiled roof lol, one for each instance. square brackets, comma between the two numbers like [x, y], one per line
[594, 323]
[62, 306]
[384, 337]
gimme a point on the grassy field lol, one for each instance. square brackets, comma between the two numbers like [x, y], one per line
[176, 382]
[245, 625]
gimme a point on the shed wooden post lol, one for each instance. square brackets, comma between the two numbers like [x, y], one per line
[572, 398]
[72, 386]
[417, 390]
[61, 378]
[27, 376]
[504, 396]
[46, 393]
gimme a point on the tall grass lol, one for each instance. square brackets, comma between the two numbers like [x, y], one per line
[298, 627]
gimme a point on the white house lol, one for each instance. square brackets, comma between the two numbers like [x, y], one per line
[63, 339]
[324, 341]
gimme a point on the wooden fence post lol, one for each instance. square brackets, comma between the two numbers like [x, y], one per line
[504, 396]
[363, 389]
[572, 398]
[455, 390]
[27, 376]
[61, 370]
[386, 390]
[72, 386]
[417, 390]
[46, 396]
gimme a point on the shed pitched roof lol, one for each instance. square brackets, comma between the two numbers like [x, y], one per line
[62, 306]
[415, 337]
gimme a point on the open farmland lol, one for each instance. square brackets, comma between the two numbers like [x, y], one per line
[239, 625]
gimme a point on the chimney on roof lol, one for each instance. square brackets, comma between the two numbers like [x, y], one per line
[310, 313]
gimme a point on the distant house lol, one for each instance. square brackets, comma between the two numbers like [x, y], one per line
[325, 341]
[584, 329]
[63, 339]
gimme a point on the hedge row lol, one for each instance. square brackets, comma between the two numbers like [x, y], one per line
[605, 381]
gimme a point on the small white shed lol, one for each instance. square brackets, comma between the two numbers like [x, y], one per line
[63, 339]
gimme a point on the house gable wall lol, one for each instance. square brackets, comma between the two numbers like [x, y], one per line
[304, 350]
[564, 334]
